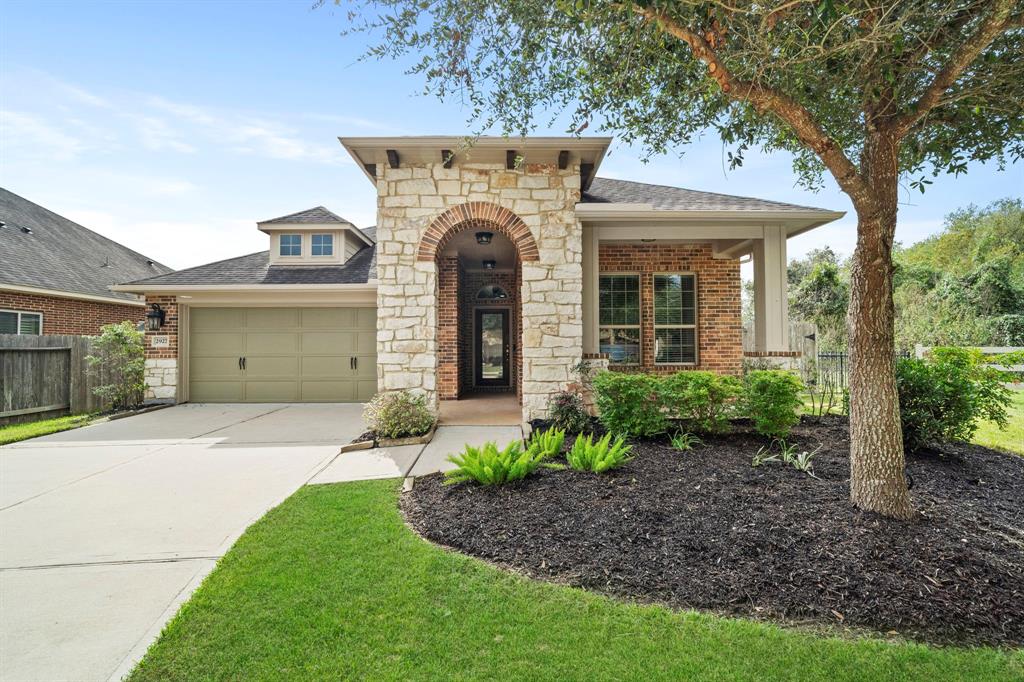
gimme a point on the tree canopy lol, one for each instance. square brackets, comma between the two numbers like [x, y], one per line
[948, 74]
[962, 286]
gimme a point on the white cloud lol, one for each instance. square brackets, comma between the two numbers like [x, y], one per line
[27, 132]
[158, 136]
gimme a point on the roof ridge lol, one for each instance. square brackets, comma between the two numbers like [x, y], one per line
[297, 214]
[717, 194]
[103, 237]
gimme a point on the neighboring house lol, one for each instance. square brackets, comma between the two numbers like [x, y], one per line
[497, 268]
[55, 275]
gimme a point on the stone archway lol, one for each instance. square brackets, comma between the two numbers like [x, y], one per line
[456, 294]
[472, 215]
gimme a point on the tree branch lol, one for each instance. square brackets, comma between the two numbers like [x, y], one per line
[764, 98]
[998, 21]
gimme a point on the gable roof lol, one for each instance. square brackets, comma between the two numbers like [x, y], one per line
[318, 215]
[665, 198]
[255, 268]
[60, 255]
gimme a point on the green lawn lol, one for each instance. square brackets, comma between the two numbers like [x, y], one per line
[332, 585]
[16, 432]
[1012, 438]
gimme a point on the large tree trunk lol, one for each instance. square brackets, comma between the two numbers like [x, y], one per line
[877, 468]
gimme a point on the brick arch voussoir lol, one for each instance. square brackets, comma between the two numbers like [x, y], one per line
[477, 215]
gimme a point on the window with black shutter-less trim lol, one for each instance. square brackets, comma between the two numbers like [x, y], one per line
[619, 318]
[675, 319]
[17, 322]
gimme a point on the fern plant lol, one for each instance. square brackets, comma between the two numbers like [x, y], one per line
[549, 441]
[684, 442]
[490, 466]
[586, 455]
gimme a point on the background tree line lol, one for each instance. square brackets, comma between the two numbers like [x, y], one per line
[961, 287]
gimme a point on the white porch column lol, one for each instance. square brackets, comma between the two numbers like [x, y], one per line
[590, 284]
[771, 308]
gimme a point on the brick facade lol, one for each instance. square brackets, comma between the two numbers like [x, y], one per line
[719, 325]
[448, 275]
[69, 315]
[162, 363]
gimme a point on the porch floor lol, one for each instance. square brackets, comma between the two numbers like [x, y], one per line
[482, 409]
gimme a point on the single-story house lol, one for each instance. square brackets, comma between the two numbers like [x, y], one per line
[494, 266]
[55, 275]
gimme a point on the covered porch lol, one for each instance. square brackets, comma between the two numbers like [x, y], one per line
[662, 288]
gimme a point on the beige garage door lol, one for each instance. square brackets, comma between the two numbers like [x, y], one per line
[282, 354]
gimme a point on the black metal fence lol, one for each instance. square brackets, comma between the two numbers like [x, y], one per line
[833, 368]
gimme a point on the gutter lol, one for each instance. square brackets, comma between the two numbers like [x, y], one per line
[143, 288]
[796, 222]
[35, 291]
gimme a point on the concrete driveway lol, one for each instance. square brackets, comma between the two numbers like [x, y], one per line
[106, 530]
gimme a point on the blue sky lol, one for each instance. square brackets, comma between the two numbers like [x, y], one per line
[174, 127]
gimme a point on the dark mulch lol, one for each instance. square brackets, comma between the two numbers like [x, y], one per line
[706, 530]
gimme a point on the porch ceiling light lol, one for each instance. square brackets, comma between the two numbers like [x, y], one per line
[484, 237]
[490, 264]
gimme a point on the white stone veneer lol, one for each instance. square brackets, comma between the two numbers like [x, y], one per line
[544, 198]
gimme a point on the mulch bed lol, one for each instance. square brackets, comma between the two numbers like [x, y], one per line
[706, 530]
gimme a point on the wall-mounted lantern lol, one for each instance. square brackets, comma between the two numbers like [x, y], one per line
[484, 237]
[490, 264]
[155, 317]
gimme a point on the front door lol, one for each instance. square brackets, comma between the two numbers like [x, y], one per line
[491, 347]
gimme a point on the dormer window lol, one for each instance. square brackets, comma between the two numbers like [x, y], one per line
[291, 245]
[323, 245]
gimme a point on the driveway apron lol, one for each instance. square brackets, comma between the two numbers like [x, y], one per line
[107, 529]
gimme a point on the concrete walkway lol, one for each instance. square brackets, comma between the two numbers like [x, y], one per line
[414, 460]
[106, 530]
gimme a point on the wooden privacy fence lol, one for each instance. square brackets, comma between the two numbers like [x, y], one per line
[46, 376]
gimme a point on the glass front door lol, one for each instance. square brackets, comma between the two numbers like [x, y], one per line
[491, 347]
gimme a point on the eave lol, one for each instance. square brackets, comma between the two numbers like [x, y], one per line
[370, 152]
[37, 291]
[796, 222]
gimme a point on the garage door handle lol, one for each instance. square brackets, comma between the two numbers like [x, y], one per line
[355, 363]
[239, 364]
[245, 363]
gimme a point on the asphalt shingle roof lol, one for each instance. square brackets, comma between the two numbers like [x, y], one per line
[662, 197]
[62, 255]
[317, 215]
[255, 269]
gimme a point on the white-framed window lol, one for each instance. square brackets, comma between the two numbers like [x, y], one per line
[675, 318]
[619, 318]
[323, 245]
[291, 245]
[19, 322]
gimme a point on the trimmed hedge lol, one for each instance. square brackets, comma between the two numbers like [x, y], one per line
[644, 405]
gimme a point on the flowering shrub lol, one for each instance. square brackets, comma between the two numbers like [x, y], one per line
[398, 414]
[567, 412]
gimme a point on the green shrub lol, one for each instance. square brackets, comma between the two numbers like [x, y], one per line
[549, 442]
[119, 358]
[770, 399]
[630, 404]
[700, 399]
[567, 411]
[398, 414]
[943, 397]
[598, 457]
[490, 466]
